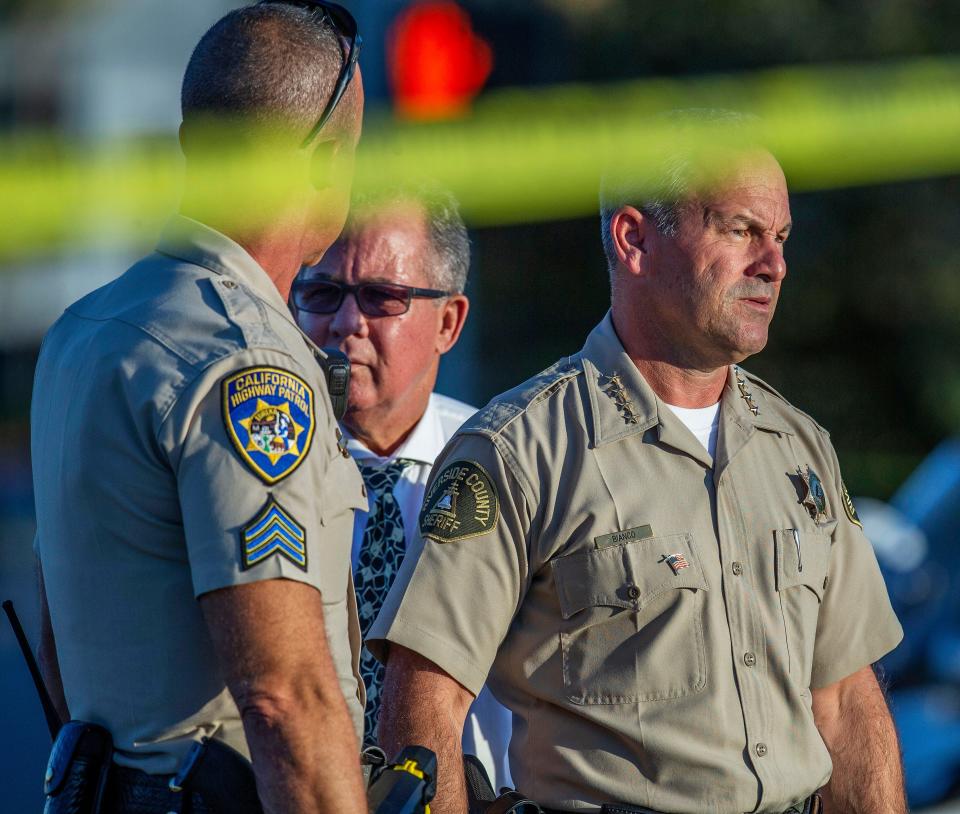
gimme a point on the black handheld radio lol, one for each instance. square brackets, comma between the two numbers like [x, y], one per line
[336, 370]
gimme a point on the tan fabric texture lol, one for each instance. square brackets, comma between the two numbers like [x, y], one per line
[655, 619]
[142, 497]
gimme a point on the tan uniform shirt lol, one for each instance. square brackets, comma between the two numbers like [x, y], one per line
[654, 618]
[183, 441]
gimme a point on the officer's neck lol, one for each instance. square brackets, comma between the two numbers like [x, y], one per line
[679, 376]
[280, 248]
[682, 387]
[383, 429]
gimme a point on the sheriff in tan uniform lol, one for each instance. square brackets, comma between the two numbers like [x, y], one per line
[183, 441]
[659, 618]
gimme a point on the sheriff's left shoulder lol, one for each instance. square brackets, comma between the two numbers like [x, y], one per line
[778, 405]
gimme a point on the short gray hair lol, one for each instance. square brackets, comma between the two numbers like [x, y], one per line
[445, 229]
[661, 192]
[271, 66]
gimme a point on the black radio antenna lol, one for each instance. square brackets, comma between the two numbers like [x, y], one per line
[49, 710]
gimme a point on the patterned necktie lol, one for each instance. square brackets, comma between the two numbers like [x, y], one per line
[380, 555]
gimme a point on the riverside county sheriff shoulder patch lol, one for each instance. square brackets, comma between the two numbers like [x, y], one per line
[848, 506]
[269, 416]
[462, 503]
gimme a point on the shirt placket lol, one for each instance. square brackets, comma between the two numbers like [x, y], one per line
[747, 638]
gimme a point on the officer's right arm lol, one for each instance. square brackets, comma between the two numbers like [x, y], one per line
[281, 675]
[264, 604]
[459, 587]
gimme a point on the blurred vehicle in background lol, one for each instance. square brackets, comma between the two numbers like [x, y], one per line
[917, 540]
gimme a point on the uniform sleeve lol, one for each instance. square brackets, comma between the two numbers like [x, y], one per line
[465, 570]
[857, 625]
[260, 484]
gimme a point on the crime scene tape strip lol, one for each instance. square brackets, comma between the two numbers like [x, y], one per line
[521, 155]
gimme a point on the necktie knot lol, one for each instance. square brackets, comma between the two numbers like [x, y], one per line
[382, 477]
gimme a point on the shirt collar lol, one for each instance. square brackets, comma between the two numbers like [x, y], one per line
[623, 404]
[193, 242]
[423, 444]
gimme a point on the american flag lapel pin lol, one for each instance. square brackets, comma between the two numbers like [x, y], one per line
[677, 562]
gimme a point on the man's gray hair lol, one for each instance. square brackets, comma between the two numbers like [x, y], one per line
[271, 66]
[660, 192]
[445, 229]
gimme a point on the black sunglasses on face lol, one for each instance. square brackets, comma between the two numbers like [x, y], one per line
[373, 299]
[343, 23]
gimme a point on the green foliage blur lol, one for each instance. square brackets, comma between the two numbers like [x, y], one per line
[867, 334]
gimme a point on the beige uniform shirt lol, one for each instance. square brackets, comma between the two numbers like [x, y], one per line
[183, 441]
[654, 618]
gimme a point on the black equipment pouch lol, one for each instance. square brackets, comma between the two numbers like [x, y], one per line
[336, 370]
[78, 769]
[481, 798]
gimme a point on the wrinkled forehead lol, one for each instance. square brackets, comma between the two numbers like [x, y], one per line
[378, 242]
[751, 180]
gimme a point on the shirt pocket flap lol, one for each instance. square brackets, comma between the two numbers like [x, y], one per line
[803, 558]
[628, 575]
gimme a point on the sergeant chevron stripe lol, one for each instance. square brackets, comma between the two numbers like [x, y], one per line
[273, 531]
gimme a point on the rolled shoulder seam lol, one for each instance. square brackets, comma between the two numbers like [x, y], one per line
[199, 370]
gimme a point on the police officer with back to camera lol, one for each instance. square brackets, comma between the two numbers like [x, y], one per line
[194, 509]
[647, 552]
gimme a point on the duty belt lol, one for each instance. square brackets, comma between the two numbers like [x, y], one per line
[812, 805]
[214, 779]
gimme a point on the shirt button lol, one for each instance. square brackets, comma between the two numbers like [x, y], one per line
[229, 284]
[737, 569]
[761, 749]
[633, 592]
[749, 659]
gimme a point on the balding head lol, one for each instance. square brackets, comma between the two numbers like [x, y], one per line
[270, 68]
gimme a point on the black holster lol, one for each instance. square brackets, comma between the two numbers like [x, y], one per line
[482, 799]
[78, 769]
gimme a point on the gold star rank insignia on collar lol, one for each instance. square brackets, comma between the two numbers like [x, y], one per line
[745, 392]
[613, 387]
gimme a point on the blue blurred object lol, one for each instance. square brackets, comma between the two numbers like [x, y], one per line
[915, 584]
[928, 719]
[930, 499]
[917, 541]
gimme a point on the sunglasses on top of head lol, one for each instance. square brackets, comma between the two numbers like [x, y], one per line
[322, 296]
[345, 25]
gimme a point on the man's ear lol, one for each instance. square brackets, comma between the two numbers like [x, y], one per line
[322, 159]
[453, 315]
[629, 231]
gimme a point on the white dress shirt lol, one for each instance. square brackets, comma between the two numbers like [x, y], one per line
[486, 731]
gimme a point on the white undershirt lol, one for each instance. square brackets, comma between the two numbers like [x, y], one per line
[703, 422]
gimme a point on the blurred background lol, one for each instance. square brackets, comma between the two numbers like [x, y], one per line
[867, 337]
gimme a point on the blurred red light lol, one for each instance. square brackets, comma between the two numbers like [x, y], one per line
[435, 61]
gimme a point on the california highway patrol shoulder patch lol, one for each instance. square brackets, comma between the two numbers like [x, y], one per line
[848, 506]
[462, 503]
[270, 419]
[273, 531]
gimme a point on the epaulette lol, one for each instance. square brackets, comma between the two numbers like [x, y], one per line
[768, 388]
[506, 407]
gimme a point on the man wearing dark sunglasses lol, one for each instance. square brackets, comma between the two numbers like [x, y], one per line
[196, 557]
[389, 294]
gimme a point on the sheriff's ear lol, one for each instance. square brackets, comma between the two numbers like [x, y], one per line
[628, 231]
